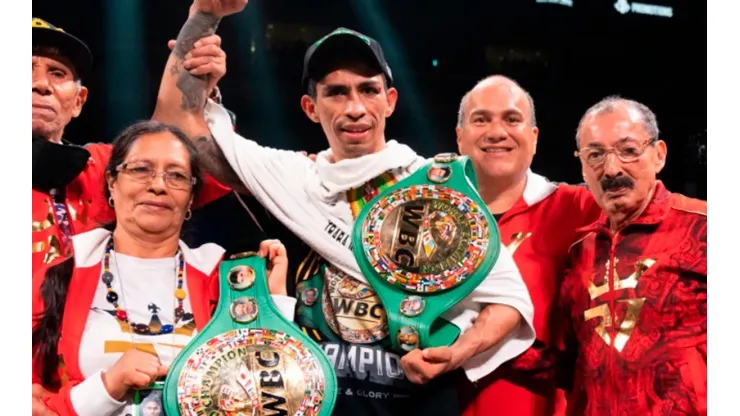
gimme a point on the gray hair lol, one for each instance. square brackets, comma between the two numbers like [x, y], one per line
[466, 98]
[610, 103]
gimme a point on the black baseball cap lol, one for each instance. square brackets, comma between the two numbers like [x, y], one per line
[345, 44]
[72, 48]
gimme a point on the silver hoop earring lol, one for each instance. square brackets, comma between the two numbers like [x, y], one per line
[110, 201]
[188, 214]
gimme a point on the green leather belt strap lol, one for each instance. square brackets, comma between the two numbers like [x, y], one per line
[425, 244]
[249, 357]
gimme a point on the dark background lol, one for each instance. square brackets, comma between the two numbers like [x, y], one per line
[566, 57]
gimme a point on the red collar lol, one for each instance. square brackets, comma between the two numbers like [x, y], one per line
[653, 214]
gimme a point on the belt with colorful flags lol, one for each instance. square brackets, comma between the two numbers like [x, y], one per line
[424, 244]
[249, 357]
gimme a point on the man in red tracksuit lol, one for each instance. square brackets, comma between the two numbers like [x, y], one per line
[635, 294]
[67, 180]
[538, 221]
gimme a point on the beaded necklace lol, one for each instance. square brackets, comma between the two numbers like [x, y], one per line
[122, 315]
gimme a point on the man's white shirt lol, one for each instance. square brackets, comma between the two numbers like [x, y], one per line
[310, 199]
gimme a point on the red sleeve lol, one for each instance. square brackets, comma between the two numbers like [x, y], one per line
[698, 376]
[100, 154]
[552, 365]
[587, 206]
[213, 291]
[546, 365]
[209, 192]
[60, 402]
[95, 182]
[583, 203]
[685, 203]
[566, 364]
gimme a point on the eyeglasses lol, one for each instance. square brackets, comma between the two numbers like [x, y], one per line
[627, 151]
[145, 174]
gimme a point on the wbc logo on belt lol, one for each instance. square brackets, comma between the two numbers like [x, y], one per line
[352, 309]
[251, 371]
[424, 244]
[425, 238]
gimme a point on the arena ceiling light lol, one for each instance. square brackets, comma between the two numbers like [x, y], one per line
[568, 3]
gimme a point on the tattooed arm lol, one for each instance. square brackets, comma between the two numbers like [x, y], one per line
[184, 90]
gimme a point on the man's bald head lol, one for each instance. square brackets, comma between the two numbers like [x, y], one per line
[497, 130]
[495, 81]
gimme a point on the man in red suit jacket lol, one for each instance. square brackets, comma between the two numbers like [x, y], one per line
[538, 219]
[635, 294]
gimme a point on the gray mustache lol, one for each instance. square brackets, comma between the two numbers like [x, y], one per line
[613, 183]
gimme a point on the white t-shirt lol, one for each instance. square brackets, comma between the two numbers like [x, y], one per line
[147, 285]
[311, 200]
[143, 286]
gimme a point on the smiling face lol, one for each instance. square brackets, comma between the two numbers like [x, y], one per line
[151, 206]
[496, 130]
[351, 104]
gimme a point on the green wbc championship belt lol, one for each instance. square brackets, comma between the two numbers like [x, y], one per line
[249, 360]
[424, 244]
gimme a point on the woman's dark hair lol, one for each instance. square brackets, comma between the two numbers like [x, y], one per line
[122, 144]
[45, 336]
[46, 333]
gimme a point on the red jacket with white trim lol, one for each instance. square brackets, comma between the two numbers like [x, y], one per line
[201, 268]
[538, 230]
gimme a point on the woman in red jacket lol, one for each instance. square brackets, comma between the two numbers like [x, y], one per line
[112, 317]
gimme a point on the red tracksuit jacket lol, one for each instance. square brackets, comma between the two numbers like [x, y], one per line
[538, 230]
[635, 306]
[85, 203]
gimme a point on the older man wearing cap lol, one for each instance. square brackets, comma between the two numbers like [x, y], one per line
[59, 61]
[67, 180]
[349, 92]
